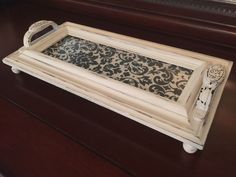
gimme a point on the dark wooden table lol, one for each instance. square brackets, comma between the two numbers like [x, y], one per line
[47, 132]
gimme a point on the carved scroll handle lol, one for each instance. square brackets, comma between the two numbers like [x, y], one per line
[37, 27]
[212, 78]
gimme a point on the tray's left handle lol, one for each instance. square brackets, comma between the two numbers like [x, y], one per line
[36, 28]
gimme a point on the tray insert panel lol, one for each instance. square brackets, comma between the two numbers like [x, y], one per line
[158, 77]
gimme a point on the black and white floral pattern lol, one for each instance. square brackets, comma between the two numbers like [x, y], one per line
[161, 78]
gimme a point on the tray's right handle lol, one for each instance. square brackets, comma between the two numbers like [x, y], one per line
[36, 28]
[212, 78]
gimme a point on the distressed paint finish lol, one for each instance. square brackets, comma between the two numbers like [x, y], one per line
[174, 119]
[213, 77]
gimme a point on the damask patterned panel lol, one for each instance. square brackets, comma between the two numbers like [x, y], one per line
[158, 77]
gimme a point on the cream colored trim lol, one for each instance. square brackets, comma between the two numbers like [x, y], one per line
[174, 119]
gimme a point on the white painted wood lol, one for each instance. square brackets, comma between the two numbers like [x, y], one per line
[189, 148]
[15, 70]
[35, 28]
[83, 91]
[213, 77]
[175, 119]
[192, 63]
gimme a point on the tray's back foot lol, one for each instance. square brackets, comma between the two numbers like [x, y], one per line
[15, 70]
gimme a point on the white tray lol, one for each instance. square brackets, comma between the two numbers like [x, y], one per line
[171, 90]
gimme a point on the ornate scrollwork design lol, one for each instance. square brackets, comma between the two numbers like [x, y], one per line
[158, 77]
[35, 28]
[212, 78]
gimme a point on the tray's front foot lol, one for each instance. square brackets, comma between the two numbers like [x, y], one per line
[189, 148]
[15, 70]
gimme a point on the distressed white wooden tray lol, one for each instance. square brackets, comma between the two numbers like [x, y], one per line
[173, 91]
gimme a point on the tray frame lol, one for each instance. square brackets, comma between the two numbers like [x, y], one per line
[29, 59]
[123, 43]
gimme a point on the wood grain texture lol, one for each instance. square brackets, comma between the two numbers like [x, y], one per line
[120, 141]
[31, 148]
[182, 22]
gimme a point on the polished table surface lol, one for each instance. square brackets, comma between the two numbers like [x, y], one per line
[45, 131]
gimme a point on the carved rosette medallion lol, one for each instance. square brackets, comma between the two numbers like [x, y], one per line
[212, 78]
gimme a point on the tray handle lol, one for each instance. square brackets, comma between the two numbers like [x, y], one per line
[212, 78]
[36, 28]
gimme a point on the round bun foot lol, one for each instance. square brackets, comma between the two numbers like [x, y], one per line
[14, 70]
[189, 148]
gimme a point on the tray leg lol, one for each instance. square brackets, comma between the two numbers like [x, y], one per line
[189, 148]
[15, 70]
